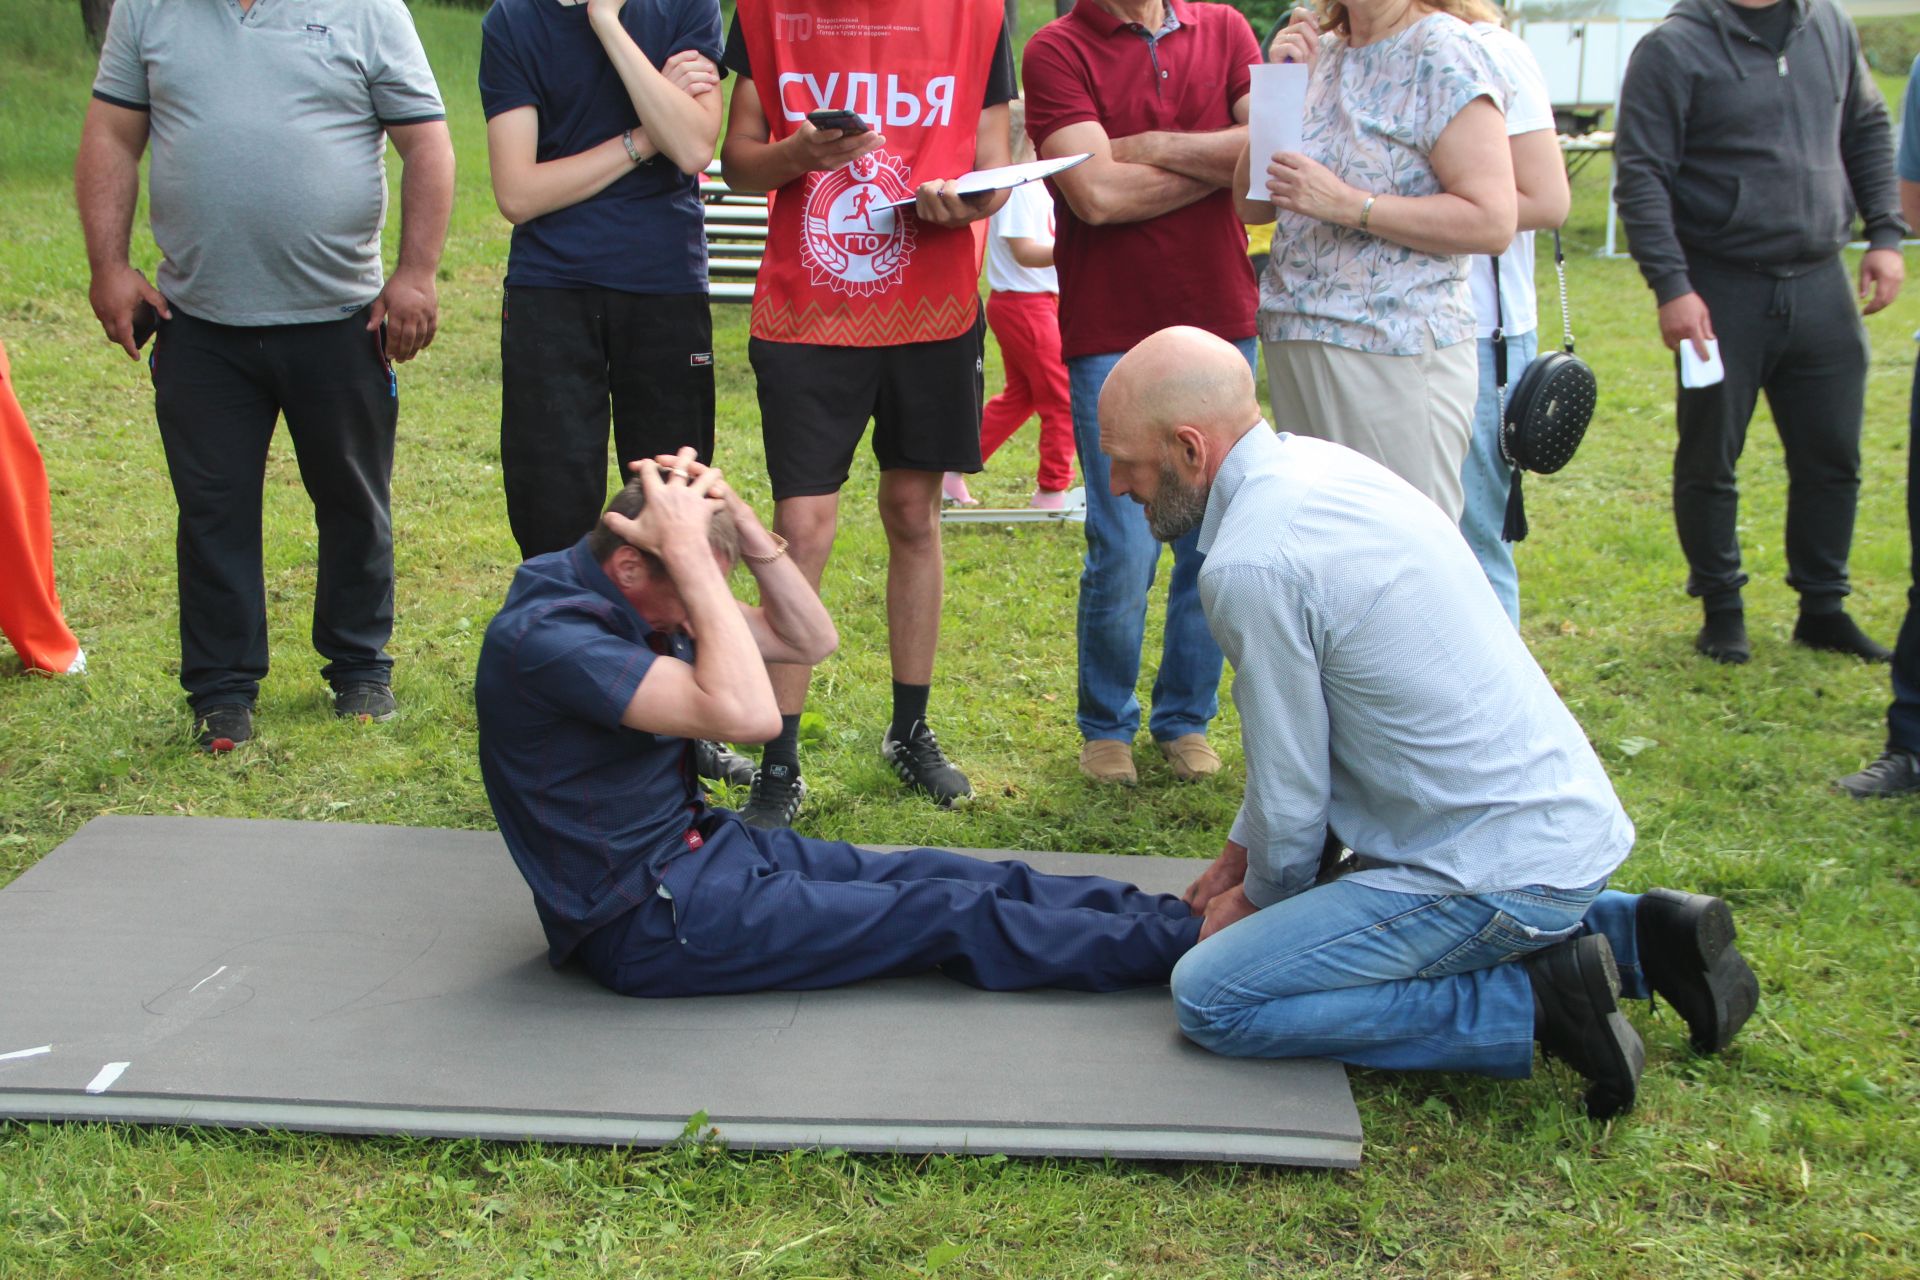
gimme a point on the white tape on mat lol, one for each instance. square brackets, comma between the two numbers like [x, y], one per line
[26, 1053]
[108, 1074]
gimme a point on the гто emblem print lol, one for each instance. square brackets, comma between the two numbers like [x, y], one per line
[854, 241]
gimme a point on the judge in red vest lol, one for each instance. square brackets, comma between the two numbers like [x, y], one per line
[866, 307]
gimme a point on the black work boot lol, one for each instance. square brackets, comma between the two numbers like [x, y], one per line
[1687, 953]
[1577, 1019]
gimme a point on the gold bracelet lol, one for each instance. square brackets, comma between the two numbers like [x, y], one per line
[779, 549]
[1366, 211]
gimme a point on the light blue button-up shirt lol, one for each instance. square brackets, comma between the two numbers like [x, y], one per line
[1383, 691]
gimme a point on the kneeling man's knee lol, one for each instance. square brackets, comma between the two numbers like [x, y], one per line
[1202, 1019]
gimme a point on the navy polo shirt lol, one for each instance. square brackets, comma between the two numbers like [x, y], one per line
[588, 808]
[642, 234]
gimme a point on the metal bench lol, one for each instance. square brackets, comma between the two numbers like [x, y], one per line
[736, 237]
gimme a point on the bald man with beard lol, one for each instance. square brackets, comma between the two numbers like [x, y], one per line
[1384, 695]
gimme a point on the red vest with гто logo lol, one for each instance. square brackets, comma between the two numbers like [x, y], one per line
[842, 268]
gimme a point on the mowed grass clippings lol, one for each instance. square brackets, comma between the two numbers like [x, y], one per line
[1793, 1155]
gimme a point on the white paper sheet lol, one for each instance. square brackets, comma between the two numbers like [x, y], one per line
[1277, 112]
[1695, 372]
[1007, 175]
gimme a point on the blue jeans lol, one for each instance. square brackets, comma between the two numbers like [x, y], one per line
[1122, 557]
[1405, 981]
[1486, 477]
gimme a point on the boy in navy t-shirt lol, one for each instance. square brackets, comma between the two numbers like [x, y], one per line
[600, 117]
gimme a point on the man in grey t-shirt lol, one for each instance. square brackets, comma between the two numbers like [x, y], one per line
[269, 122]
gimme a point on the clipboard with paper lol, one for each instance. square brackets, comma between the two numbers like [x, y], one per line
[1006, 176]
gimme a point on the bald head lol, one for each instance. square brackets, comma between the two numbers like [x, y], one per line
[1179, 377]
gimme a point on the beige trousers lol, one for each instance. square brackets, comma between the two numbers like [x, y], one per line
[1412, 414]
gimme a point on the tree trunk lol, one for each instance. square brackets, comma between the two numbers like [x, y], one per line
[94, 13]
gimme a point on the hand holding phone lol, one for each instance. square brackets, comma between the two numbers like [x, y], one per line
[847, 122]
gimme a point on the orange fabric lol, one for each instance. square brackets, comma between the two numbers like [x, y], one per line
[29, 606]
[841, 268]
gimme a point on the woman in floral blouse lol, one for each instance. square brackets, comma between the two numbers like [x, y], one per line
[1402, 175]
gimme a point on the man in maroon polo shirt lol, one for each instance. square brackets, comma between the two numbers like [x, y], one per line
[1156, 91]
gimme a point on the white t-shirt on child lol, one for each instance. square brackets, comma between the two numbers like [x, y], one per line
[1529, 107]
[1027, 214]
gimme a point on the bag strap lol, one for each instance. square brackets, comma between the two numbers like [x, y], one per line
[1499, 340]
[1560, 269]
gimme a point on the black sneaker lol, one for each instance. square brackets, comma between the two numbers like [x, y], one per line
[220, 729]
[364, 700]
[721, 763]
[1897, 773]
[921, 764]
[1577, 1019]
[1687, 951]
[1837, 632]
[775, 799]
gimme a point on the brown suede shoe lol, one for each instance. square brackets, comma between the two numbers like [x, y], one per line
[1191, 757]
[1108, 760]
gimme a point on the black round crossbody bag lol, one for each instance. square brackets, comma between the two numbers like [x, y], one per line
[1544, 418]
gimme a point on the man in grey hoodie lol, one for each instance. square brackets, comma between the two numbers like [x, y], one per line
[1749, 135]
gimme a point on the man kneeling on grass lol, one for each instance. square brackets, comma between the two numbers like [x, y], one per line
[607, 661]
[1383, 694]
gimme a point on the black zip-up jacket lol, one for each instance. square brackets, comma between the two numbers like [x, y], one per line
[1728, 150]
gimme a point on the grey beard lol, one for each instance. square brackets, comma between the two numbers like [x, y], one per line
[1177, 509]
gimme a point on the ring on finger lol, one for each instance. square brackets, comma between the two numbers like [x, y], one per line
[682, 472]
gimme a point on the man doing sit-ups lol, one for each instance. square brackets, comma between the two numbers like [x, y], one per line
[607, 661]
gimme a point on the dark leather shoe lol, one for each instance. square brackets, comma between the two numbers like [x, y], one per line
[721, 763]
[1687, 952]
[1896, 773]
[1723, 637]
[219, 729]
[1577, 1019]
[1837, 632]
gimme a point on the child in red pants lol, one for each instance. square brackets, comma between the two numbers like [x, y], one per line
[29, 609]
[1023, 311]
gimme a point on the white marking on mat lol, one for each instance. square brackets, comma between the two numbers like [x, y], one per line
[209, 978]
[26, 1053]
[108, 1074]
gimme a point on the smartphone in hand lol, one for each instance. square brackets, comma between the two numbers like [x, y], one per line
[145, 321]
[848, 122]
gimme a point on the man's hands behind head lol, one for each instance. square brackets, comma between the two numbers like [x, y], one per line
[681, 502]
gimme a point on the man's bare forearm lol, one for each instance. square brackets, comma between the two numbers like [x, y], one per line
[106, 188]
[1118, 193]
[1204, 157]
[683, 128]
[426, 201]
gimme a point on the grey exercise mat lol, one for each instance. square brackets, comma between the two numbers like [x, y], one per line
[358, 979]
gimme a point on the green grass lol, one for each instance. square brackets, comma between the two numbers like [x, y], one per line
[1795, 1154]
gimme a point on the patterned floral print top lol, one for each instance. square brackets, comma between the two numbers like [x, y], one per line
[1373, 116]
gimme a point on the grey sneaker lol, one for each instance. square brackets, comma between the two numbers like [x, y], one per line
[364, 700]
[1896, 773]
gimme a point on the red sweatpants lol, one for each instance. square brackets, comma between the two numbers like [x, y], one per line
[29, 609]
[1027, 327]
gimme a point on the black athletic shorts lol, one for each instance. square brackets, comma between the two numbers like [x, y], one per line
[923, 398]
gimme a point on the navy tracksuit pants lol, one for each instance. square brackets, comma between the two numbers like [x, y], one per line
[759, 910]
